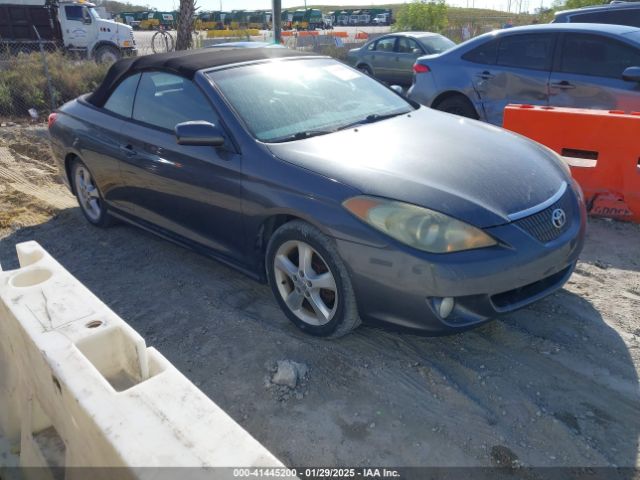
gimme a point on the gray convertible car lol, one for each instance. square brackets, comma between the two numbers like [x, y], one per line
[351, 201]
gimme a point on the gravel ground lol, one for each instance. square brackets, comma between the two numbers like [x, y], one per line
[555, 384]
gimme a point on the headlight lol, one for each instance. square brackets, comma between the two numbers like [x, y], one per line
[418, 227]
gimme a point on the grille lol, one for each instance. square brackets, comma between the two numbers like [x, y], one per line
[540, 226]
[513, 298]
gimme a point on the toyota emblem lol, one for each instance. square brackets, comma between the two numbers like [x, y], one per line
[558, 218]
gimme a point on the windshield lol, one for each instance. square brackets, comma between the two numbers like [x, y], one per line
[281, 99]
[94, 13]
[436, 44]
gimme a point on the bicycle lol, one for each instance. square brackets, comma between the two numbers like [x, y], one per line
[162, 41]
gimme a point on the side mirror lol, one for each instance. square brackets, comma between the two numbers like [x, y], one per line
[199, 133]
[86, 20]
[631, 74]
[397, 89]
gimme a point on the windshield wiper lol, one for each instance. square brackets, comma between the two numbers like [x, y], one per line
[302, 135]
[374, 117]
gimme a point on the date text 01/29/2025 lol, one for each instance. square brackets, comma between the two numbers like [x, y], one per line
[316, 473]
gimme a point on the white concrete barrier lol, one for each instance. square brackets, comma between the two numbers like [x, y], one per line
[79, 387]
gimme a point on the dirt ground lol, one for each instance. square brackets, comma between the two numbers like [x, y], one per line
[555, 384]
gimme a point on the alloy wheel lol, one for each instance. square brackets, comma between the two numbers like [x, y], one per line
[305, 282]
[88, 195]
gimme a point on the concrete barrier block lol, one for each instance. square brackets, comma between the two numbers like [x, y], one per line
[80, 387]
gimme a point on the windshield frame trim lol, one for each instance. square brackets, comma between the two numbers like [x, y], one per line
[208, 70]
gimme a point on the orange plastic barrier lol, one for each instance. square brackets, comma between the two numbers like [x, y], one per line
[601, 147]
[362, 36]
[307, 33]
[286, 33]
[338, 34]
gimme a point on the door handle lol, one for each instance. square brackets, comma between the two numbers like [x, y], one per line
[563, 85]
[128, 150]
[486, 75]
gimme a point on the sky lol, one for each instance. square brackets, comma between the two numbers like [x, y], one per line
[265, 4]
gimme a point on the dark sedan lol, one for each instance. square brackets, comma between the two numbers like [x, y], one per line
[351, 201]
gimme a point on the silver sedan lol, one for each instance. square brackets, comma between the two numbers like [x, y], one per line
[390, 58]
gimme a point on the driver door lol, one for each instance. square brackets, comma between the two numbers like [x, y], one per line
[383, 59]
[77, 26]
[193, 192]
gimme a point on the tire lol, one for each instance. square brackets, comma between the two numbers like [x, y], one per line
[107, 54]
[365, 69]
[162, 42]
[335, 313]
[458, 105]
[89, 197]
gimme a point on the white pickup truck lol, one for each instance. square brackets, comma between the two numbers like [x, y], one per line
[73, 26]
[382, 19]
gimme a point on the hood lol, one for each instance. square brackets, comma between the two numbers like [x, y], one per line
[120, 29]
[472, 171]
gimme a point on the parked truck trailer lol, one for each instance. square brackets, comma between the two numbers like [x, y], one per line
[69, 25]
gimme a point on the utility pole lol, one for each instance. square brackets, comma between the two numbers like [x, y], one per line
[277, 21]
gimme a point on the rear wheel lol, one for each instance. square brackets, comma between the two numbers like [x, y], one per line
[310, 281]
[458, 105]
[89, 197]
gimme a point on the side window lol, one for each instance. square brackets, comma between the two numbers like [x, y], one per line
[385, 44]
[77, 13]
[531, 51]
[484, 54]
[407, 45]
[164, 100]
[626, 16]
[73, 12]
[121, 100]
[596, 56]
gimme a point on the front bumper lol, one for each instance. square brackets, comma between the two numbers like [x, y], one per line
[130, 51]
[401, 286]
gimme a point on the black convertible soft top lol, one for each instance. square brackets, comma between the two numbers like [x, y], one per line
[184, 63]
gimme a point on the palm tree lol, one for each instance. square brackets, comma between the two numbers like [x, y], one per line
[185, 24]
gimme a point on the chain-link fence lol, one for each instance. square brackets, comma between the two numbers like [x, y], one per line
[161, 41]
[461, 27]
[36, 78]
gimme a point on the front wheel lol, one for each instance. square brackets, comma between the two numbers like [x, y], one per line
[310, 281]
[107, 54]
